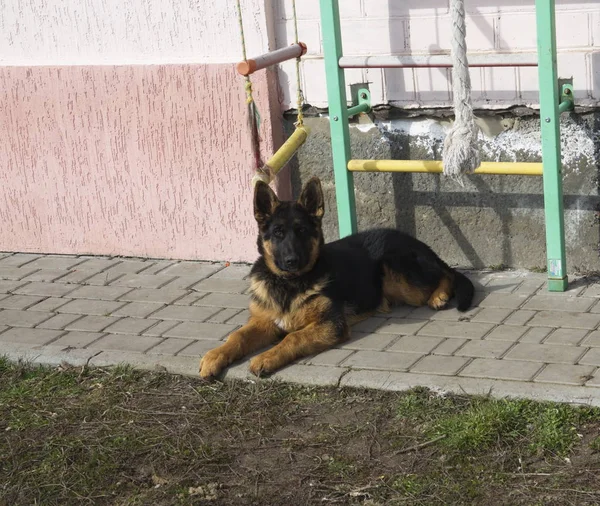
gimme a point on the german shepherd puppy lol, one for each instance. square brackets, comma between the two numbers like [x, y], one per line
[306, 294]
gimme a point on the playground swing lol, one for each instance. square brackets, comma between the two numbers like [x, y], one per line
[266, 172]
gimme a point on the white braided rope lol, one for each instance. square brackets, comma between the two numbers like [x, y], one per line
[460, 155]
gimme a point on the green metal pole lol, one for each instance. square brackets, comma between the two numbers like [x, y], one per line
[338, 116]
[550, 129]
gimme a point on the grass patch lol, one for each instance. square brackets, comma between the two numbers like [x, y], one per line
[119, 436]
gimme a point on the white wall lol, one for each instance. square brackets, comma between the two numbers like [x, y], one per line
[92, 32]
[423, 26]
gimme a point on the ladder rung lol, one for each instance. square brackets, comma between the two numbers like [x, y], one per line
[266, 60]
[436, 167]
[438, 61]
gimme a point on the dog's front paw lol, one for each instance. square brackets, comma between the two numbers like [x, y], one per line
[213, 363]
[263, 364]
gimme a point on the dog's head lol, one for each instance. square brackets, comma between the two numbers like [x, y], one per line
[290, 235]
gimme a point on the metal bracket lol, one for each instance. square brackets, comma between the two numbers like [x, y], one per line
[567, 103]
[364, 103]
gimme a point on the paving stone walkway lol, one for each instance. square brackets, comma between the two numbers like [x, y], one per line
[519, 340]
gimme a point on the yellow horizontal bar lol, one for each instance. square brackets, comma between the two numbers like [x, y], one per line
[436, 167]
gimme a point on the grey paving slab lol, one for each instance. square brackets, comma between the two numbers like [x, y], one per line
[569, 337]
[78, 339]
[138, 309]
[51, 304]
[569, 319]
[170, 346]
[127, 266]
[223, 316]
[329, 357]
[545, 353]
[9, 286]
[401, 326]
[449, 346]
[592, 339]
[484, 349]
[160, 327]
[124, 342]
[30, 336]
[369, 325]
[165, 295]
[91, 323]
[130, 325]
[60, 321]
[381, 360]
[18, 318]
[89, 278]
[415, 344]
[45, 289]
[221, 285]
[91, 307]
[465, 330]
[184, 313]
[492, 315]
[224, 300]
[143, 280]
[501, 369]
[164, 363]
[15, 273]
[506, 333]
[199, 348]
[198, 269]
[96, 264]
[233, 271]
[368, 341]
[504, 300]
[99, 292]
[197, 330]
[445, 366]
[549, 302]
[535, 335]
[19, 301]
[565, 374]
[46, 275]
[519, 317]
[310, 375]
[55, 262]
[18, 259]
[591, 357]
[241, 318]
[189, 299]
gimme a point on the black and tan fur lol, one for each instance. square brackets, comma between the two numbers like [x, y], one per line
[305, 294]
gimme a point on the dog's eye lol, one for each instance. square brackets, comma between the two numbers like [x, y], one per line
[302, 230]
[278, 232]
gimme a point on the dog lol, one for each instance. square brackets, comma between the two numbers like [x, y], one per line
[306, 294]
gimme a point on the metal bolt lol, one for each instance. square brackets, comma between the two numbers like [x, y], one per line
[567, 91]
[547, 120]
[335, 118]
[363, 95]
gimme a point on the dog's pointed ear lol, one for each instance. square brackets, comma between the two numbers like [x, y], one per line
[265, 202]
[312, 199]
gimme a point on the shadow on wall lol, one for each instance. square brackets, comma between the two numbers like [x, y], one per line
[485, 193]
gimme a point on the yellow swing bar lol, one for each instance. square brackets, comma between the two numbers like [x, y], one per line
[436, 167]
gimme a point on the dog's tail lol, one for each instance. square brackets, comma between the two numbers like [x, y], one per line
[463, 290]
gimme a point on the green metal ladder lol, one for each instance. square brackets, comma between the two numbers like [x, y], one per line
[550, 109]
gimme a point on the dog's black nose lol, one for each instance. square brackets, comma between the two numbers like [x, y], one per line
[291, 262]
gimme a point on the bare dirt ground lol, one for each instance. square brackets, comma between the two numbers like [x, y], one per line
[116, 437]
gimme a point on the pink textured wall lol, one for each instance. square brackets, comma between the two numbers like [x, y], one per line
[150, 160]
